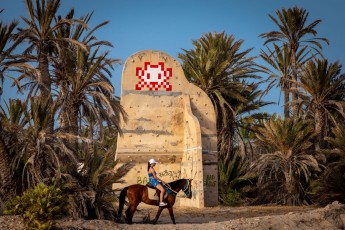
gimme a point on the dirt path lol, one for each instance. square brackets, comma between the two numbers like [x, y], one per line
[331, 217]
[185, 215]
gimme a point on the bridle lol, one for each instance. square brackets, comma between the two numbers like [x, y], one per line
[186, 189]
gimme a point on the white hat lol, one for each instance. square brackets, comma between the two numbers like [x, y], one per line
[153, 161]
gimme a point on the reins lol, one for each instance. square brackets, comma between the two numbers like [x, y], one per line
[184, 189]
[168, 186]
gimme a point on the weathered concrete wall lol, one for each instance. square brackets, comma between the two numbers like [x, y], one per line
[170, 120]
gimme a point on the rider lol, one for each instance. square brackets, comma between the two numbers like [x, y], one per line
[155, 181]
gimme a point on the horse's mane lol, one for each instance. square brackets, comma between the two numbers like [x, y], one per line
[176, 182]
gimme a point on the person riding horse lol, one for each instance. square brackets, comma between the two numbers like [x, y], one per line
[155, 181]
[138, 193]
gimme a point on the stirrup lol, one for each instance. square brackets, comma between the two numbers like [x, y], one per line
[162, 204]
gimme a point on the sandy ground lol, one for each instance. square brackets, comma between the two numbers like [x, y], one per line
[250, 217]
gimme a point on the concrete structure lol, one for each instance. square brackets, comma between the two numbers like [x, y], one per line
[171, 120]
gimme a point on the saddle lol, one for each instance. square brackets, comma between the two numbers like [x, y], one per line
[150, 185]
[153, 192]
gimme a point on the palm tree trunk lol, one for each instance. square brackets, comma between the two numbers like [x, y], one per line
[45, 82]
[319, 140]
[318, 130]
[63, 117]
[289, 182]
[74, 121]
[286, 102]
[5, 174]
[294, 84]
[44, 78]
[70, 120]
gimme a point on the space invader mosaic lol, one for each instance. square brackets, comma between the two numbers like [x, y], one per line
[153, 76]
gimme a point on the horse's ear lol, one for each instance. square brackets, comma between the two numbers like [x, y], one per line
[190, 180]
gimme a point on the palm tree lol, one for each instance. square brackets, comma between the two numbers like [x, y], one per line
[5, 159]
[233, 165]
[92, 92]
[338, 142]
[280, 60]
[91, 192]
[286, 167]
[218, 67]
[91, 188]
[83, 78]
[11, 123]
[41, 44]
[234, 178]
[37, 153]
[12, 120]
[331, 185]
[294, 32]
[242, 122]
[65, 64]
[322, 89]
[89, 109]
[5, 35]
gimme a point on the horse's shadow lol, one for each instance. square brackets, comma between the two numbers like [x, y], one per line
[144, 217]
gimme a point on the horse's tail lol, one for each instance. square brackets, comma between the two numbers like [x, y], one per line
[122, 198]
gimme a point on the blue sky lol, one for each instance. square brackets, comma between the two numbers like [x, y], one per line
[169, 26]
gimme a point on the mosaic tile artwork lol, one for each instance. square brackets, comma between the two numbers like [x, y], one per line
[153, 76]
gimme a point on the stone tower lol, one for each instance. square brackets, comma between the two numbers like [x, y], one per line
[171, 120]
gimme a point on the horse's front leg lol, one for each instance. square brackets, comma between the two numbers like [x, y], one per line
[171, 212]
[160, 209]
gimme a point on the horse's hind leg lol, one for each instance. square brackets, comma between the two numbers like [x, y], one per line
[158, 214]
[130, 212]
[128, 215]
[171, 212]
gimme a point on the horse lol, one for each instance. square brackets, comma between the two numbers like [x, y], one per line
[138, 193]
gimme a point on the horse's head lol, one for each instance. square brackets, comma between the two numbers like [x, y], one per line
[187, 188]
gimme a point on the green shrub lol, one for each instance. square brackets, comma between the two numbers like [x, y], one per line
[232, 197]
[39, 206]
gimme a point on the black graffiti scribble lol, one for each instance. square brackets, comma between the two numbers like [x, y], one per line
[210, 181]
[171, 174]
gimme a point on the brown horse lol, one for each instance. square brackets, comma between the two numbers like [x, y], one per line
[139, 193]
